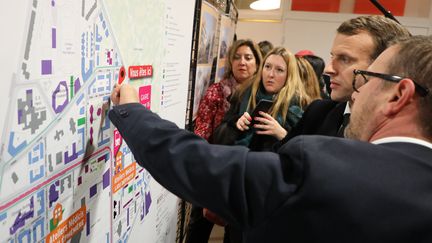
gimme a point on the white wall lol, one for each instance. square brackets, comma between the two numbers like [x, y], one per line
[313, 31]
[259, 31]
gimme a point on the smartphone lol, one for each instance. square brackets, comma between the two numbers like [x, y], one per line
[263, 105]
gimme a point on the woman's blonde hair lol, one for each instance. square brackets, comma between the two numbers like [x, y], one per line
[309, 78]
[292, 89]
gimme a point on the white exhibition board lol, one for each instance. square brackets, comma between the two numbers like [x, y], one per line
[65, 173]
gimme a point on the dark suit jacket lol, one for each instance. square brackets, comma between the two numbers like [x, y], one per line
[316, 189]
[321, 117]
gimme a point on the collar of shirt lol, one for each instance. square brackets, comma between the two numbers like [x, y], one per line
[404, 140]
[347, 109]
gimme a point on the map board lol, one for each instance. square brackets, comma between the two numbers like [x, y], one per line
[66, 175]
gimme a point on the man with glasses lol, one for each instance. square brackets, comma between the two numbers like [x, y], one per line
[392, 78]
[357, 43]
[399, 88]
[374, 188]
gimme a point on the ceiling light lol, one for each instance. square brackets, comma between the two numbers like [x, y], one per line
[265, 5]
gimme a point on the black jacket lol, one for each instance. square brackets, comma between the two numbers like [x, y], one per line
[315, 189]
[322, 117]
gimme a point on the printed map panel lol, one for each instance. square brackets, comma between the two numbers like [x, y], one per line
[66, 175]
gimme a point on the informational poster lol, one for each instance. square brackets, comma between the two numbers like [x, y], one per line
[226, 38]
[66, 175]
[206, 54]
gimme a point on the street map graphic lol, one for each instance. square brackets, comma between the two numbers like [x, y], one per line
[66, 175]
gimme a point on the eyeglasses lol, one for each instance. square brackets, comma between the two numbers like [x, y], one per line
[422, 91]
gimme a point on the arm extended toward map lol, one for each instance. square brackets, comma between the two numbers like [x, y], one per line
[128, 94]
[207, 175]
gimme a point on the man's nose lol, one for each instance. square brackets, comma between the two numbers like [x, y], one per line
[329, 70]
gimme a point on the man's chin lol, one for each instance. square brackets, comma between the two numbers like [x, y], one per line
[337, 97]
[350, 133]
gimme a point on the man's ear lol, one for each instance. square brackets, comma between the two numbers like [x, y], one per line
[400, 96]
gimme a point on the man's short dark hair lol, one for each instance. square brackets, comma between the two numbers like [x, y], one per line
[414, 60]
[382, 30]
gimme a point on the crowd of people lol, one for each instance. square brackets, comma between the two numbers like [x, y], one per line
[304, 169]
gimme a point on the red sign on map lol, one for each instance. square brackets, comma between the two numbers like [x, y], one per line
[140, 71]
[145, 96]
[122, 74]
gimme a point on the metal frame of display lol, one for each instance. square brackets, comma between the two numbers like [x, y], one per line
[226, 7]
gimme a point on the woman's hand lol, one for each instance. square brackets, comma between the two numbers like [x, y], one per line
[267, 125]
[243, 122]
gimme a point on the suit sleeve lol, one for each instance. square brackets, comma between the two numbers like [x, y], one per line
[241, 186]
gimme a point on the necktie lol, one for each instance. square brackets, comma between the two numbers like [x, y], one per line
[345, 121]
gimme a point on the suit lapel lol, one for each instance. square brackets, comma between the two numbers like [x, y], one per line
[333, 120]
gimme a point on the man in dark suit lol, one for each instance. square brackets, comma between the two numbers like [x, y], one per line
[376, 188]
[357, 43]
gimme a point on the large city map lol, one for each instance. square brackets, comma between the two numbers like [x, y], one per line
[66, 175]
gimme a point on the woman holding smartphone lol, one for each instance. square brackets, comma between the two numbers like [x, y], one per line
[280, 82]
[243, 62]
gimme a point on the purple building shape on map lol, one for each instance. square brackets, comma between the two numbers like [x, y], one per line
[77, 85]
[106, 179]
[46, 67]
[58, 105]
[93, 190]
[53, 38]
[53, 194]
[74, 155]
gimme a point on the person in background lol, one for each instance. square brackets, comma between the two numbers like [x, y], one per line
[265, 47]
[375, 188]
[318, 65]
[357, 43]
[309, 78]
[280, 82]
[243, 62]
[272, 79]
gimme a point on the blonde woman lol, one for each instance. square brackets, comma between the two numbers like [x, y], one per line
[243, 62]
[309, 78]
[280, 82]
